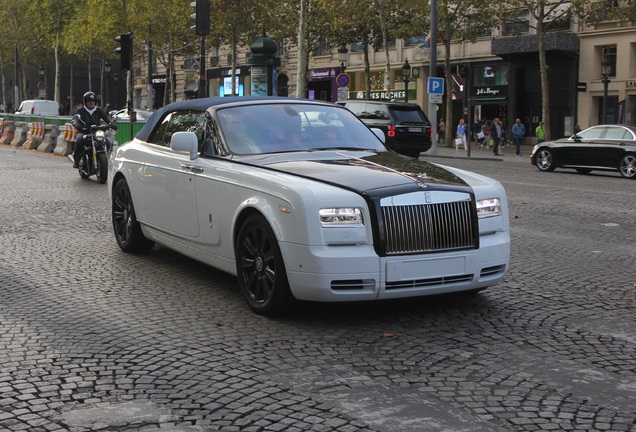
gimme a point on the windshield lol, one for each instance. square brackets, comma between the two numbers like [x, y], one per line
[273, 128]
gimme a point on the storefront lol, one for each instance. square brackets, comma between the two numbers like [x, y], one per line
[322, 84]
[489, 90]
[220, 81]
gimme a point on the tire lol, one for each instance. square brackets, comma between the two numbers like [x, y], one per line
[83, 167]
[260, 268]
[545, 160]
[127, 230]
[627, 166]
[583, 170]
[102, 168]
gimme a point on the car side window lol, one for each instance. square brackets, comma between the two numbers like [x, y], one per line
[179, 121]
[616, 133]
[592, 133]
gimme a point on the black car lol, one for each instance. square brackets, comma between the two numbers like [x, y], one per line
[602, 147]
[406, 127]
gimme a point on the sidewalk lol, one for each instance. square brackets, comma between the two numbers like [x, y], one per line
[481, 153]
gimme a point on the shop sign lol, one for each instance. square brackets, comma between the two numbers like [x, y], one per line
[486, 92]
[322, 74]
[630, 84]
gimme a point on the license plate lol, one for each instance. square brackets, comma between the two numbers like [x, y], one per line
[415, 129]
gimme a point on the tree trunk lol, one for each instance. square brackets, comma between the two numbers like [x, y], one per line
[301, 75]
[57, 84]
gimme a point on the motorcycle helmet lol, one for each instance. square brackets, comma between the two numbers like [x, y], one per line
[89, 96]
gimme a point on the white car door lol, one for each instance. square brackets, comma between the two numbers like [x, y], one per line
[167, 183]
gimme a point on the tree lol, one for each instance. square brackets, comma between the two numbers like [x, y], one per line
[373, 23]
[460, 21]
[58, 15]
[544, 15]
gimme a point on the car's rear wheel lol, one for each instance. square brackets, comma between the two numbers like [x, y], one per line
[583, 170]
[545, 159]
[261, 271]
[627, 166]
[128, 232]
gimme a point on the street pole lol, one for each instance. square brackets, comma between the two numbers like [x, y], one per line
[432, 107]
[201, 84]
[150, 100]
[16, 88]
[606, 82]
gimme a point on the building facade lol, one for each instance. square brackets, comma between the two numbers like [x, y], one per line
[497, 75]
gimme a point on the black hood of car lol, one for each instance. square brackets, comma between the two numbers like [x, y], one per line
[371, 173]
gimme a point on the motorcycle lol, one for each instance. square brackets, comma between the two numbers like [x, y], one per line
[94, 159]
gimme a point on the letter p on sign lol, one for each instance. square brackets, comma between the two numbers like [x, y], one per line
[435, 85]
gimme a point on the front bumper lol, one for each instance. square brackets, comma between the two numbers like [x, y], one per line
[356, 273]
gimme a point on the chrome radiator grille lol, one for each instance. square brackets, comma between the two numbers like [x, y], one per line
[428, 227]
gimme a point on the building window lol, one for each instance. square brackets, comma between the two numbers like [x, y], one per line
[426, 40]
[321, 48]
[519, 24]
[356, 47]
[474, 21]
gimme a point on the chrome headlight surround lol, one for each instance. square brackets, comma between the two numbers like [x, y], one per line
[490, 207]
[341, 217]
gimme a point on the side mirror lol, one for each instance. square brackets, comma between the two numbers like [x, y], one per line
[185, 142]
[379, 133]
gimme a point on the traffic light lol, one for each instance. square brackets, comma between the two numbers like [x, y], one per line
[125, 50]
[201, 17]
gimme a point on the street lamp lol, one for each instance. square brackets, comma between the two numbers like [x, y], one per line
[406, 74]
[342, 51]
[606, 69]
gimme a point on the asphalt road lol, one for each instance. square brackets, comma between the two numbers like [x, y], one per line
[93, 339]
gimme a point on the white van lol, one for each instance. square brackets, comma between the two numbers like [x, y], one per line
[39, 107]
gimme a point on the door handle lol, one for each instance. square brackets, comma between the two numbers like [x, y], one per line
[192, 168]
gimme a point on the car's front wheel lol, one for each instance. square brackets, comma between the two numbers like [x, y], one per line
[627, 166]
[128, 232]
[545, 159]
[261, 271]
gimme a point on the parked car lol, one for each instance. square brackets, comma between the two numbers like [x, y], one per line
[406, 128]
[39, 107]
[301, 200]
[122, 115]
[602, 147]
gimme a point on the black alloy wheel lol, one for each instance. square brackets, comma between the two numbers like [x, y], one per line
[260, 268]
[128, 232]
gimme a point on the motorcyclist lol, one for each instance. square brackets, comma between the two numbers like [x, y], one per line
[86, 116]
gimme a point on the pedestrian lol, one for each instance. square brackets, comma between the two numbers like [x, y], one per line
[496, 133]
[477, 133]
[577, 129]
[485, 128]
[441, 136]
[518, 131]
[540, 132]
[461, 135]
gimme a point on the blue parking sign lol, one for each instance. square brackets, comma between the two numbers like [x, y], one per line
[435, 85]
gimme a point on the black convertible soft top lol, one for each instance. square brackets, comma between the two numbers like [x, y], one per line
[202, 105]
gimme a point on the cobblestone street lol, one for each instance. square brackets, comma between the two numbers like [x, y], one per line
[93, 339]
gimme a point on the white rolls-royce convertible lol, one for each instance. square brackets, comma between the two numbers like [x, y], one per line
[302, 201]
